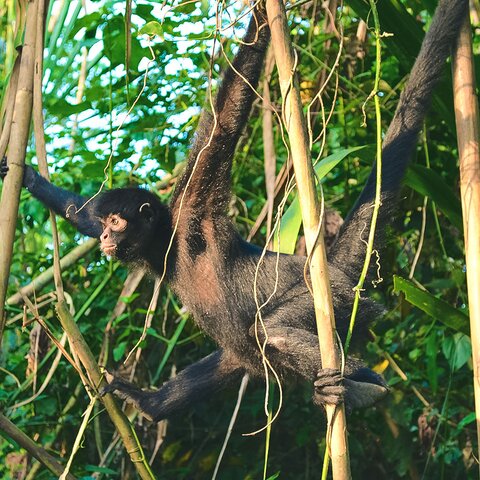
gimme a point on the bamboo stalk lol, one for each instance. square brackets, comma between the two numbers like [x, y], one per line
[17, 147]
[9, 106]
[39, 135]
[125, 429]
[9, 429]
[299, 147]
[468, 134]
[270, 160]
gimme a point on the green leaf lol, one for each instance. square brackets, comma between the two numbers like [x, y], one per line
[119, 350]
[433, 306]
[292, 218]
[274, 476]
[457, 350]
[470, 418]
[204, 6]
[152, 29]
[429, 183]
[186, 7]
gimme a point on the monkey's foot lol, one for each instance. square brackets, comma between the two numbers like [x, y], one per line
[329, 388]
[126, 391]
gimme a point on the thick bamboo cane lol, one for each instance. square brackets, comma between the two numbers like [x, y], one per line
[17, 147]
[300, 152]
[468, 134]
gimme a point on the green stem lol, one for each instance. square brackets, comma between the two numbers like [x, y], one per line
[269, 430]
[95, 294]
[378, 188]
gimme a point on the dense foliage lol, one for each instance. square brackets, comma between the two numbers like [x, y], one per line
[426, 427]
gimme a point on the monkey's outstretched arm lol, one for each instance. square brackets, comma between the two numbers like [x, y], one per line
[61, 201]
[210, 159]
[401, 137]
[195, 383]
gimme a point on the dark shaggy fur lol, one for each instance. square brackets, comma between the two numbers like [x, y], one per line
[212, 269]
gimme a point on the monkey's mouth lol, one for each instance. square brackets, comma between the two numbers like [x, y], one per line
[109, 249]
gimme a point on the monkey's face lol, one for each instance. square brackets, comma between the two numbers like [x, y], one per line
[128, 237]
[114, 228]
[133, 220]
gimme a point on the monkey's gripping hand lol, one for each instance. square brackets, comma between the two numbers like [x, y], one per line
[29, 175]
[360, 389]
[67, 204]
[132, 394]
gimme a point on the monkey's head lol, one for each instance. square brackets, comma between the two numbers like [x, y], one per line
[132, 220]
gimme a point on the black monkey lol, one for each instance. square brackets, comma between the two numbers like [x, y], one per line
[211, 268]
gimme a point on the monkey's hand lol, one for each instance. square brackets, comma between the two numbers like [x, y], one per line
[3, 168]
[362, 388]
[29, 174]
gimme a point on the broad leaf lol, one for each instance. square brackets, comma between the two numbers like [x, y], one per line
[292, 218]
[429, 183]
[433, 306]
[457, 350]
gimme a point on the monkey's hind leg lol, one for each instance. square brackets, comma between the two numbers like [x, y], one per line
[193, 384]
[298, 350]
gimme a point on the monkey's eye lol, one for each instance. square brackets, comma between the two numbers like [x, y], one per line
[117, 223]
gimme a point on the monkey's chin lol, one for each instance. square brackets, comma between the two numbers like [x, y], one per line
[109, 249]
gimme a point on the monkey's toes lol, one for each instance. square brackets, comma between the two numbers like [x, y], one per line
[329, 388]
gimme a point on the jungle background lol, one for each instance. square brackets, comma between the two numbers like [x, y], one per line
[156, 61]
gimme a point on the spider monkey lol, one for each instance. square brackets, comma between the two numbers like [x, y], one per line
[211, 268]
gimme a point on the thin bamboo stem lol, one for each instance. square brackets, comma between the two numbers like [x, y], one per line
[270, 159]
[9, 105]
[39, 134]
[296, 127]
[468, 134]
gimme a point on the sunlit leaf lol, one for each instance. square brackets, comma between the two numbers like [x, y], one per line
[433, 306]
[152, 29]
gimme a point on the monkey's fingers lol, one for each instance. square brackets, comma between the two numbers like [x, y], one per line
[329, 388]
[126, 391]
[3, 168]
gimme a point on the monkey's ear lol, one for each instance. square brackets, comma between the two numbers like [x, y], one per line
[146, 211]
